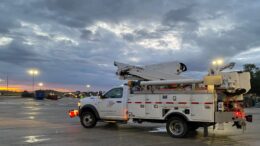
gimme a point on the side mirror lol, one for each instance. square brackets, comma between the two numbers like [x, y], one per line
[100, 93]
[102, 97]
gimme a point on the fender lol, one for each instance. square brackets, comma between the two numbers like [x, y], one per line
[90, 108]
[176, 114]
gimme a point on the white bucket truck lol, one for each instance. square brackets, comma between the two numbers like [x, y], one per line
[157, 93]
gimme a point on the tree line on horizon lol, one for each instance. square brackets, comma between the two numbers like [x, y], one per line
[255, 78]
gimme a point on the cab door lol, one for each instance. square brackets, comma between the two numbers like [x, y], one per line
[112, 105]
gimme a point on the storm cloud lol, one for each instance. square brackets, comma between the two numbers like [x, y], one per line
[74, 43]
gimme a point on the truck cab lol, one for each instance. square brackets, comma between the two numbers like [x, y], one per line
[109, 106]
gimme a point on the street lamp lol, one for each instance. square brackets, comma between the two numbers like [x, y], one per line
[33, 73]
[88, 86]
[217, 62]
[40, 84]
[216, 66]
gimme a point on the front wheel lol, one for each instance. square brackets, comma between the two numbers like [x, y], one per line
[88, 119]
[177, 127]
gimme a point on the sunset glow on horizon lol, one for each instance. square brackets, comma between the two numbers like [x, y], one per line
[14, 89]
[19, 88]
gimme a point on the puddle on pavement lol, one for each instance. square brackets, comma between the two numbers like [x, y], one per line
[35, 139]
[9, 103]
[31, 113]
[32, 108]
[158, 130]
[221, 140]
[31, 117]
[218, 138]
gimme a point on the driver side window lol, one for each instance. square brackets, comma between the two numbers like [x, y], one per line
[114, 93]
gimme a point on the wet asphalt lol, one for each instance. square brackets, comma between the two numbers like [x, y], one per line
[25, 121]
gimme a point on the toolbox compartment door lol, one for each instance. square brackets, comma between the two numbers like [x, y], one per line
[202, 107]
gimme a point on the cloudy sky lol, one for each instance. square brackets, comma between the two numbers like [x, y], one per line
[74, 43]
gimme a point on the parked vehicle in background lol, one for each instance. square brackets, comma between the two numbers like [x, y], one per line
[257, 105]
[27, 94]
[39, 95]
[52, 96]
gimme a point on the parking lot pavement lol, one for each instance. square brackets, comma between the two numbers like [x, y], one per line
[25, 121]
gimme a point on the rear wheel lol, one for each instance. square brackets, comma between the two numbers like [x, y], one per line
[88, 119]
[177, 127]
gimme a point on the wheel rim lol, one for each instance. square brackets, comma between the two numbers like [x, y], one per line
[176, 127]
[88, 119]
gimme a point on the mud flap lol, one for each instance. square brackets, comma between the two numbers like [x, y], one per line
[249, 118]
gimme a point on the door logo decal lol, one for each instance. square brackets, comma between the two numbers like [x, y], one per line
[110, 103]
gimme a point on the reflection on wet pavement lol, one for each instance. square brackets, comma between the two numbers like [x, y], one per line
[47, 123]
[161, 129]
[35, 139]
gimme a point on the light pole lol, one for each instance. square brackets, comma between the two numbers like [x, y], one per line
[7, 82]
[1, 80]
[33, 73]
[88, 86]
[40, 85]
[217, 63]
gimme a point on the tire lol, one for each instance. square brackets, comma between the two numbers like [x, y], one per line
[177, 127]
[88, 119]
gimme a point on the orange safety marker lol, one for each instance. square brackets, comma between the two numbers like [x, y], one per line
[73, 113]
